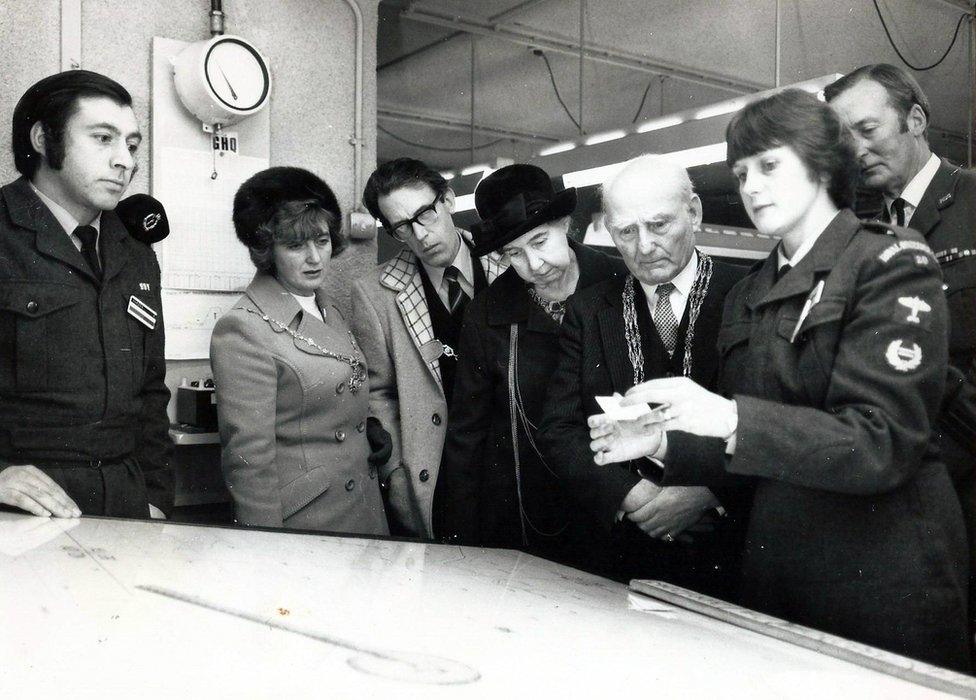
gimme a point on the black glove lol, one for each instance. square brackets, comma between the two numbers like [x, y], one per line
[380, 442]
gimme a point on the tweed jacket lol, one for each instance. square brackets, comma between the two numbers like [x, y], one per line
[292, 431]
[391, 321]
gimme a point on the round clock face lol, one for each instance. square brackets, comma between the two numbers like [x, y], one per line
[236, 74]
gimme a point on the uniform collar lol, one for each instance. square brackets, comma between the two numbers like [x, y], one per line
[915, 189]
[64, 217]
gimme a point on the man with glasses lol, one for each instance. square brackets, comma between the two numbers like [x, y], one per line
[407, 319]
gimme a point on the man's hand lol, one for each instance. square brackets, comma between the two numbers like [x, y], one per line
[643, 492]
[686, 406]
[621, 441]
[674, 510]
[400, 498]
[27, 487]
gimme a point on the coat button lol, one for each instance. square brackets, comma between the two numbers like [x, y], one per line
[436, 419]
[361, 427]
[340, 387]
[424, 475]
[340, 435]
[32, 306]
[350, 485]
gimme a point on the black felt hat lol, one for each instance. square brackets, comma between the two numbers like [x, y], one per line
[259, 197]
[514, 200]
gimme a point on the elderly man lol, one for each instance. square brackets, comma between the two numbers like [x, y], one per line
[888, 115]
[83, 426]
[661, 320]
[407, 319]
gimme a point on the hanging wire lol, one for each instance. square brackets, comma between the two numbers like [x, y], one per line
[393, 136]
[640, 109]
[891, 41]
[552, 79]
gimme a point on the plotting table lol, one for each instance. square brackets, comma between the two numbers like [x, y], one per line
[114, 608]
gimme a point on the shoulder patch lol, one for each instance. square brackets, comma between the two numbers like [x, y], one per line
[923, 254]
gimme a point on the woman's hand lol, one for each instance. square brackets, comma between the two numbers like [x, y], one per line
[621, 441]
[686, 406]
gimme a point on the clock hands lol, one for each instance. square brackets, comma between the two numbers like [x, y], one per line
[230, 87]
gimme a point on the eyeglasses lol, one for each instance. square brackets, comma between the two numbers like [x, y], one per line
[425, 217]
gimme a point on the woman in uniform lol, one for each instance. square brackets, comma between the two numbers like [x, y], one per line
[834, 360]
[495, 489]
[292, 393]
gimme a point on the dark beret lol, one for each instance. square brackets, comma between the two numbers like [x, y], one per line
[262, 194]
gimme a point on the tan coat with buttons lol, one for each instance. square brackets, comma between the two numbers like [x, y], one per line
[294, 449]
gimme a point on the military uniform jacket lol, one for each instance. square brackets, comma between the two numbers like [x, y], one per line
[391, 321]
[81, 380]
[294, 449]
[838, 371]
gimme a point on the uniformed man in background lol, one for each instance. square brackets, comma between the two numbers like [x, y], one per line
[83, 425]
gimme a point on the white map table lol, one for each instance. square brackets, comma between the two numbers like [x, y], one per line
[114, 608]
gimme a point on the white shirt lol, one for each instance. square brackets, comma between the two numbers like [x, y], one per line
[800, 252]
[67, 221]
[465, 265]
[682, 282]
[915, 189]
[310, 305]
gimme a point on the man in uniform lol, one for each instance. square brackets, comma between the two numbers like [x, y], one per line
[661, 320]
[83, 426]
[888, 115]
[407, 319]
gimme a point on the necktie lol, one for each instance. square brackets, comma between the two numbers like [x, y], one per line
[455, 295]
[88, 235]
[782, 271]
[664, 320]
[898, 207]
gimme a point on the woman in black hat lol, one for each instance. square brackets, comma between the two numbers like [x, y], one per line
[495, 489]
[292, 391]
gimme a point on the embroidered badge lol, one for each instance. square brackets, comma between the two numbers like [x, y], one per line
[895, 248]
[150, 220]
[142, 312]
[902, 357]
[915, 306]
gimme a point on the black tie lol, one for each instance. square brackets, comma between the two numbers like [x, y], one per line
[88, 235]
[455, 295]
[898, 207]
[782, 271]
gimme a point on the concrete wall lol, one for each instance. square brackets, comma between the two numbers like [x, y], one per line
[310, 45]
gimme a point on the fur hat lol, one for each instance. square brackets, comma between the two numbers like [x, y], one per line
[514, 200]
[259, 197]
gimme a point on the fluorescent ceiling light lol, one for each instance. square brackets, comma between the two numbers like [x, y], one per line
[448, 174]
[660, 123]
[605, 136]
[719, 109]
[558, 148]
[472, 169]
[689, 157]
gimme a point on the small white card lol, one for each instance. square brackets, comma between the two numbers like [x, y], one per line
[612, 408]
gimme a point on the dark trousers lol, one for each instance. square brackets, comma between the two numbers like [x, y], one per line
[116, 490]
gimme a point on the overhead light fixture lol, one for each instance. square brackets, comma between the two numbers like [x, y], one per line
[689, 157]
[448, 174]
[719, 109]
[558, 148]
[659, 123]
[472, 169]
[604, 137]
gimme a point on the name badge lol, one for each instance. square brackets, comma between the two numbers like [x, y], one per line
[142, 312]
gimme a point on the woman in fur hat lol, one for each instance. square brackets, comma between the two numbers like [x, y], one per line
[292, 392]
[494, 487]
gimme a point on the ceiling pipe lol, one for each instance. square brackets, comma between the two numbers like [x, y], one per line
[216, 18]
[357, 139]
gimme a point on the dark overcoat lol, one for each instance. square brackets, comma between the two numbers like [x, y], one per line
[854, 527]
[478, 488]
[594, 361]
